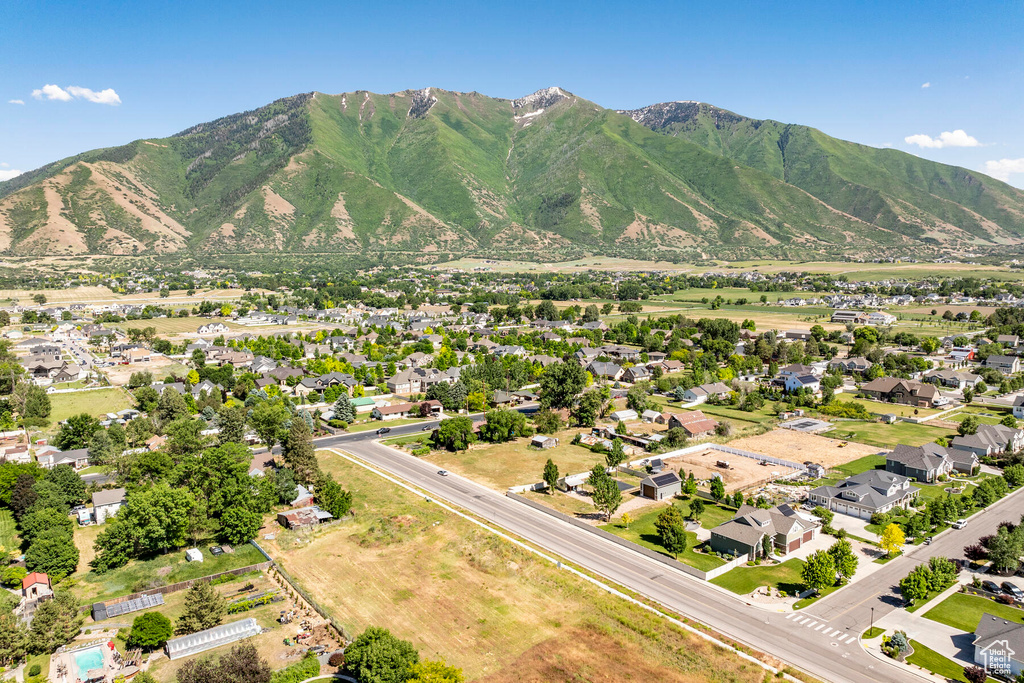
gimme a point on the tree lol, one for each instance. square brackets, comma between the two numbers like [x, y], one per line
[546, 421]
[171, 406]
[717, 489]
[268, 420]
[243, 664]
[299, 454]
[332, 497]
[637, 398]
[70, 484]
[843, 558]
[626, 519]
[560, 384]
[231, 422]
[696, 508]
[455, 433]
[1009, 421]
[285, 487]
[429, 671]
[53, 552]
[239, 525]
[588, 408]
[967, 426]
[376, 656]
[675, 437]
[819, 571]
[23, 495]
[37, 403]
[891, 539]
[1014, 475]
[56, 622]
[151, 521]
[1004, 550]
[101, 448]
[914, 586]
[345, 411]
[550, 475]
[204, 608]
[617, 454]
[606, 494]
[671, 526]
[150, 631]
[502, 425]
[76, 432]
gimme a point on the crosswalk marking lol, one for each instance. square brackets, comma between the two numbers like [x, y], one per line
[820, 626]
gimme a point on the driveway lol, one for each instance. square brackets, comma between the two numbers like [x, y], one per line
[853, 525]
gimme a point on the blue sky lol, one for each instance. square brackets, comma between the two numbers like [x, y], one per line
[947, 75]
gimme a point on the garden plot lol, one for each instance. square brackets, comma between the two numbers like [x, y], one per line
[741, 472]
[801, 447]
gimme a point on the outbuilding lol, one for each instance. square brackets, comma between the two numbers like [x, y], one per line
[661, 486]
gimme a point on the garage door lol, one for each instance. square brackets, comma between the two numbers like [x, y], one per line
[808, 535]
[793, 545]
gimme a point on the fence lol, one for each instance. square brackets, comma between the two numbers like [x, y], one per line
[675, 564]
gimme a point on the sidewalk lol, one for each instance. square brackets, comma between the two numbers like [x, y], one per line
[946, 640]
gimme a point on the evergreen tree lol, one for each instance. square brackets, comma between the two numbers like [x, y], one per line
[204, 608]
[344, 410]
[299, 454]
[551, 475]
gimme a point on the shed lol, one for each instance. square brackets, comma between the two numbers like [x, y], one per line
[194, 555]
[624, 415]
[661, 486]
[543, 441]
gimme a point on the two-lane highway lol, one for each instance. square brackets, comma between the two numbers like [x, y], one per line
[820, 647]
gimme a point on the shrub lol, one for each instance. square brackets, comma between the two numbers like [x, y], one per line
[336, 659]
[421, 451]
[1004, 599]
[35, 670]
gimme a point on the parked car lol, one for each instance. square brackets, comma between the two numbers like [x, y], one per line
[960, 524]
[991, 586]
[383, 430]
[1011, 589]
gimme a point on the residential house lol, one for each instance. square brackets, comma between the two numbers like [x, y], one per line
[704, 391]
[800, 382]
[991, 440]
[921, 463]
[604, 370]
[906, 391]
[1008, 365]
[999, 646]
[77, 458]
[864, 494]
[850, 366]
[106, 503]
[744, 535]
[952, 379]
[661, 486]
[695, 423]
[881, 318]
[36, 586]
[1018, 407]
[213, 328]
[795, 370]
[404, 410]
[1008, 340]
[636, 373]
[138, 355]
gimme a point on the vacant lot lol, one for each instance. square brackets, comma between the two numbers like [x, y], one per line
[741, 473]
[96, 403]
[883, 435]
[409, 566]
[510, 464]
[800, 447]
[160, 366]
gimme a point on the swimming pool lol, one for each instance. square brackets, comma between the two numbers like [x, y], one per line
[88, 659]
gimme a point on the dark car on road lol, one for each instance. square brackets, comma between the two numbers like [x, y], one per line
[383, 430]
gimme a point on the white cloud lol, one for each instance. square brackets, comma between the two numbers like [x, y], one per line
[926, 84]
[52, 92]
[1002, 168]
[7, 175]
[957, 138]
[107, 96]
[15, 101]
[55, 92]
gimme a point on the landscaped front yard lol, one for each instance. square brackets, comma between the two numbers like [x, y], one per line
[963, 611]
[743, 580]
[931, 660]
[643, 532]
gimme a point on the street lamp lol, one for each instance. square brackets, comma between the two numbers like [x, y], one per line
[872, 629]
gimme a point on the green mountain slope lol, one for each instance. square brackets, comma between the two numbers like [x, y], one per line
[545, 176]
[933, 202]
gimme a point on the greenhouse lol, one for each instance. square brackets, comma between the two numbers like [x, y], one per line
[202, 641]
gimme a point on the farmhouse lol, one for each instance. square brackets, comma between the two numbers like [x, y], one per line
[744, 534]
[694, 423]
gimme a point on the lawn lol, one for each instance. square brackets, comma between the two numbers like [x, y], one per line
[743, 580]
[8, 533]
[643, 532]
[885, 435]
[502, 465]
[174, 326]
[963, 611]
[929, 659]
[407, 565]
[96, 403]
[164, 569]
[879, 408]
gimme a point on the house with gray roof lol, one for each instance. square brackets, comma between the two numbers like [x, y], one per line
[864, 494]
[921, 463]
[744, 534]
[999, 646]
[990, 440]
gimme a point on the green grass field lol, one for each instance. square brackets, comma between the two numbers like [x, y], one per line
[642, 532]
[169, 568]
[963, 611]
[96, 403]
[8, 532]
[743, 580]
[929, 659]
[887, 436]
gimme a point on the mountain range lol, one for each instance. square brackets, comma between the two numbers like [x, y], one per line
[433, 172]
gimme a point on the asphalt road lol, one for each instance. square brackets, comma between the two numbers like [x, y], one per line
[824, 648]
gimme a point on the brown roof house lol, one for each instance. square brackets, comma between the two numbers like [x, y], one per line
[695, 423]
[744, 534]
[302, 518]
[906, 391]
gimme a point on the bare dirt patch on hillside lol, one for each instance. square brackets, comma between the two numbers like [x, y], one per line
[739, 474]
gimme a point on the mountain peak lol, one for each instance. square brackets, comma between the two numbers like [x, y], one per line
[542, 99]
[660, 115]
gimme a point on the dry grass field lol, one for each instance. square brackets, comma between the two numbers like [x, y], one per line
[742, 473]
[800, 447]
[459, 592]
[160, 366]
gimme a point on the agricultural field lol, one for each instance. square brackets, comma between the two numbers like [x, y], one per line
[408, 566]
[502, 465]
[96, 403]
[174, 326]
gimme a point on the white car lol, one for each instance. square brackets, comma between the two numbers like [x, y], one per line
[960, 524]
[443, 473]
